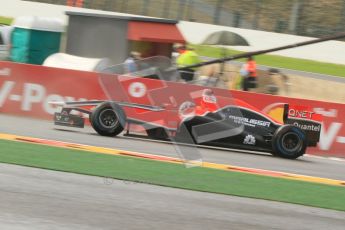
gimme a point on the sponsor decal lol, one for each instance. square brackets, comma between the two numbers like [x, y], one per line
[210, 99]
[249, 122]
[5, 72]
[187, 109]
[329, 135]
[30, 95]
[300, 113]
[137, 89]
[249, 140]
[310, 127]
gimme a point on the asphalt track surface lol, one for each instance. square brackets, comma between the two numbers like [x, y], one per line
[305, 165]
[33, 198]
[38, 199]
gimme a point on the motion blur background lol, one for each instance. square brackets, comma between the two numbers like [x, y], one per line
[314, 18]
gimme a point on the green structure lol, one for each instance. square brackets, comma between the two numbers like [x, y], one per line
[34, 39]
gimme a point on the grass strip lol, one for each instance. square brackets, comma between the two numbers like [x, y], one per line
[5, 20]
[278, 61]
[173, 175]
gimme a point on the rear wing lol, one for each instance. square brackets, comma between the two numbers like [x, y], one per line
[306, 119]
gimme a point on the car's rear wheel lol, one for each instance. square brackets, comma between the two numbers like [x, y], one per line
[289, 142]
[108, 119]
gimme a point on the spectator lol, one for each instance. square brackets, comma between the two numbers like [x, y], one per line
[187, 57]
[130, 62]
[77, 3]
[250, 75]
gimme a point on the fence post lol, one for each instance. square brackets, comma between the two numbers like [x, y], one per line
[166, 9]
[124, 6]
[145, 7]
[218, 11]
[256, 17]
[190, 10]
[181, 10]
[295, 16]
[342, 16]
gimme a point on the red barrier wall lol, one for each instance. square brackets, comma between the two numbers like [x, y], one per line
[26, 90]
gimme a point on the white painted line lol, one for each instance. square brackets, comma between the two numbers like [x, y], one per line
[325, 158]
[336, 159]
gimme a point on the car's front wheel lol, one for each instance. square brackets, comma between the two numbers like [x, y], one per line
[108, 119]
[289, 142]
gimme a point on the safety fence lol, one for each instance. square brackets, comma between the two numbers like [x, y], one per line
[315, 18]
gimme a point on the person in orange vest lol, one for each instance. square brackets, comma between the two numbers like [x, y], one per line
[250, 79]
[77, 3]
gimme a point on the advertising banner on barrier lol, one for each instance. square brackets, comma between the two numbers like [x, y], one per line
[26, 90]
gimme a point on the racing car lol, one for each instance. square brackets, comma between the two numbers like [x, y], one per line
[152, 102]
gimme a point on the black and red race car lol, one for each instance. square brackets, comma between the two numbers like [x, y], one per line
[152, 102]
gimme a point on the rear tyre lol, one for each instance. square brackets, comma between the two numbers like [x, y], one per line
[289, 142]
[108, 119]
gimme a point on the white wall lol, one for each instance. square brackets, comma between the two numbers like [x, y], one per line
[331, 51]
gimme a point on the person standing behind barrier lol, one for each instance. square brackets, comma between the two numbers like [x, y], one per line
[130, 62]
[77, 3]
[250, 80]
[187, 57]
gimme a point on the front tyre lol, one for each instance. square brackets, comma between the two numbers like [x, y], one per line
[289, 142]
[108, 119]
